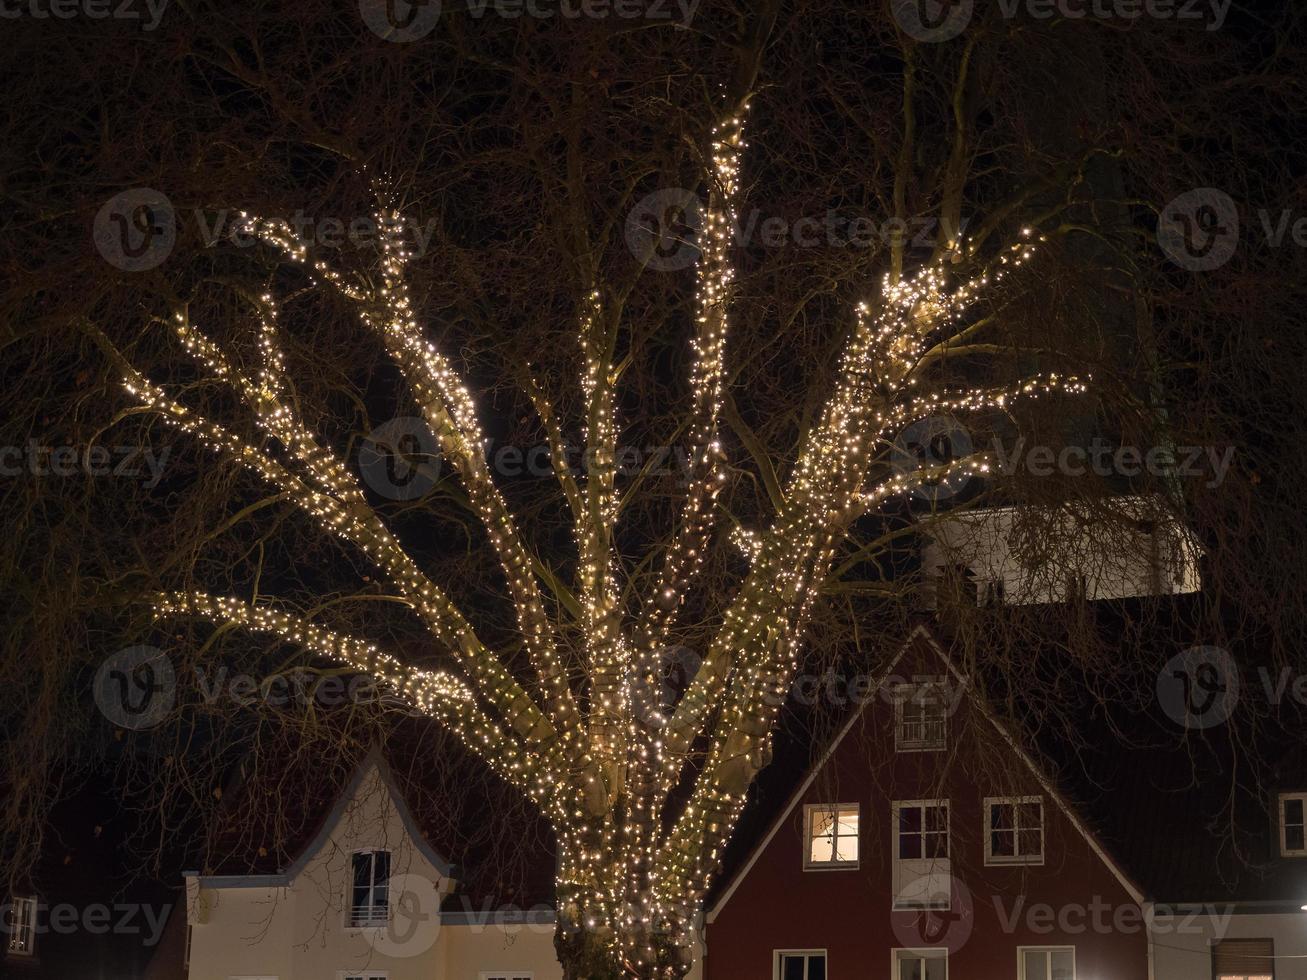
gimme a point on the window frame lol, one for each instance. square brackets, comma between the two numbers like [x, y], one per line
[778, 954]
[938, 953]
[1019, 860]
[1284, 849]
[371, 922]
[506, 975]
[945, 862]
[1048, 950]
[1269, 940]
[809, 811]
[903, 693]
[363, 975]
[22, 926]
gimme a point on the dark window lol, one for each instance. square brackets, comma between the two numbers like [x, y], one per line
[369, 898]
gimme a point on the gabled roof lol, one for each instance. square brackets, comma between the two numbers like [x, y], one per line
[925, 636]
[465, 821]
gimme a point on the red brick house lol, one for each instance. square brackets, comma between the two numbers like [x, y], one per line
[927, 844]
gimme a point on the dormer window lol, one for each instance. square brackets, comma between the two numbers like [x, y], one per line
[920, 717]
[369, 902]
[1293, 824]
[20, 923]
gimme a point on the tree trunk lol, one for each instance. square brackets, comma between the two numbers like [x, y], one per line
[586, 955]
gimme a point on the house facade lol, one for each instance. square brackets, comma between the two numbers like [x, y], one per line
[925, 845]
[368, 899]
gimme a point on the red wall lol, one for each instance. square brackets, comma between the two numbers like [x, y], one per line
[779, 905]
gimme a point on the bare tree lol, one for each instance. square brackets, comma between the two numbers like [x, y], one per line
[542, 646]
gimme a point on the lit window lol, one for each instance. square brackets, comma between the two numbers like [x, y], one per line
[370, 895]
[1047, 963]
[920, 718]
[1293, 824]
[800, 964]
[1014, 830]
[920, 964]
[1243, 959]
[20, 923]
[831, 835]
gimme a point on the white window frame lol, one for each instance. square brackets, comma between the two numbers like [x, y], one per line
[371, 922]
[1284, 848]
[362, 975]
[809, 813]
[21, 926]
[921, 953]
[944, 864]
[776, 955]
[506, 975]
[1006, 859]
[904, 693]
[1049, 951]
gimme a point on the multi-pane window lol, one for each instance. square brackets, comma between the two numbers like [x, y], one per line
[831, 836]
[369, 902]
[922, 877]
[1293, 824]
[1243, 959]
[20, 924]
[362, 976]
[920, 964]
[801, 964]
[505, 975]
[1014, 830]
[920, 717]
[922, 829]
[1046, 963]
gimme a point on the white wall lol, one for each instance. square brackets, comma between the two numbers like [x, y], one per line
[1033, 551]
[1180, 945]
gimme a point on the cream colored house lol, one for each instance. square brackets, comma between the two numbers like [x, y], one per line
[367, 899]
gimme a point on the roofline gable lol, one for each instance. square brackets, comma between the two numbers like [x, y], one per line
[932, 642]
